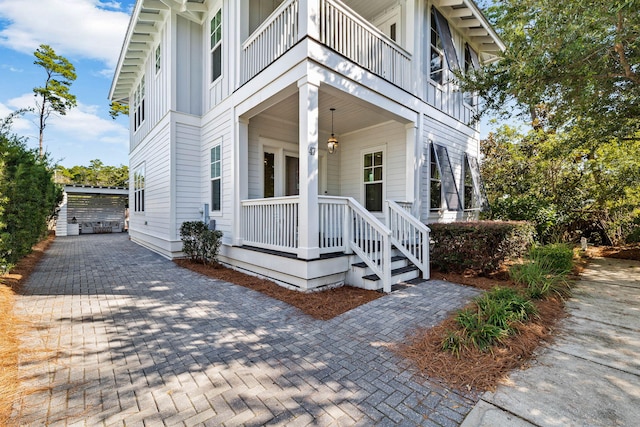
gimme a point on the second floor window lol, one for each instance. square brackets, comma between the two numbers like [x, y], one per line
[216, 45]
[437, 55]
[138, 105]
[471, 62]
[441, 47]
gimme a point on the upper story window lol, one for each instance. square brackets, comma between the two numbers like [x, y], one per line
[138, 188]
[216, 45]
[138, 105]
[471, 62]
[373, 180]
[441, 47]
[216, 178]
[158, 59]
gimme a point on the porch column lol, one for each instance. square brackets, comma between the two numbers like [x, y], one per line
[240, 175]
[413, 166]
[308, 239]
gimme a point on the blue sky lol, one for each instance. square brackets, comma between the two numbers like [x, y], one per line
[87, 32]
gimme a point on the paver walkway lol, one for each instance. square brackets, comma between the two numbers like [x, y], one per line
[140, 341]
[590, 375]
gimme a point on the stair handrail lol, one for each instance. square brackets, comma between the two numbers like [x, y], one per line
[359, 238]
[409, 235]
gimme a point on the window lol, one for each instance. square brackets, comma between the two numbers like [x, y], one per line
[437, 56]
[373, 175]
[449, 189]
[441, 47]
[471, 62]
[158, 59]
[216, 174]
[216, 45]
[470, 201]
[138, 189]
[138, 105]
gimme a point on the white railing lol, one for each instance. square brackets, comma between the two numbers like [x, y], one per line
[347, 226]
[271, 223]
[352, 36]
[277, 34]
[410, 236]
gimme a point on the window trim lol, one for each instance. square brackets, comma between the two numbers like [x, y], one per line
[217, 46]
[363, 153]
[139, 184]
[139, 96]
[218, 146]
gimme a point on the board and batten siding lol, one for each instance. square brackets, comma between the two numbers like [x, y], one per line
[189, 66]
[219, 130]
[391, 137]
[157, 89]
[155, 154]
[458, 143]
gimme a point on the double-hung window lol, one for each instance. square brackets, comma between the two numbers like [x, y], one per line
[471, 62]
[373, 181]
[138, 188]
[475, 196]
[441, 47]
[216, 46]
[216, 178]
[138, 105]
[435, 183]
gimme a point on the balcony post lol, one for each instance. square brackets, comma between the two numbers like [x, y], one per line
[308, 234]
[309, 19]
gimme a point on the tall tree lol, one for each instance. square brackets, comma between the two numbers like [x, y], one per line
[567, 63]
[54, 96]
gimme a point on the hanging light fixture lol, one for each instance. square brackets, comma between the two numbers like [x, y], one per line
[332, 143]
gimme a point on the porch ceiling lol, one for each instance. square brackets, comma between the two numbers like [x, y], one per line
[351, 113]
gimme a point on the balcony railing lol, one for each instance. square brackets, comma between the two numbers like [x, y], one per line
[340, 29]
[352, 36]
[277, 34]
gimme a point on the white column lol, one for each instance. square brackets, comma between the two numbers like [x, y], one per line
[240, 175]
[308, 239]
[413, 165]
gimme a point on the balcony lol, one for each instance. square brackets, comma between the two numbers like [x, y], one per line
[337, 27]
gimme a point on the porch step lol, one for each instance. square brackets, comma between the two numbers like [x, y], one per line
[393, 259]
[402, 271]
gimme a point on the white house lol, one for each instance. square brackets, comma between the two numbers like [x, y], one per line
[235, 107]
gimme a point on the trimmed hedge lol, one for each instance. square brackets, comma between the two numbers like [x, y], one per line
[481, 246]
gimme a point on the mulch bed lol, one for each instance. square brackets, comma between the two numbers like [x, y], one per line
[20, 273]
[322, 305]
[631, 252]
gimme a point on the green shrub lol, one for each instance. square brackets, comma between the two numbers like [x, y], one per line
[28, 197]
[539, 278]
[478, 245]
[557, 257]
[199, 243]
[490, 320]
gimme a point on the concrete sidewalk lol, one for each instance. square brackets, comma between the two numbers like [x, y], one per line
[590, 375]
[136, 340]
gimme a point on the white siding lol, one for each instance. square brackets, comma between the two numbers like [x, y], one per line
[187, 174]
[391, 136]
[155, 153]
[189, 67]
[219, 130]
[457, 144]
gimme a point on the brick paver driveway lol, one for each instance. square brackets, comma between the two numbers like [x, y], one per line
[140, 341]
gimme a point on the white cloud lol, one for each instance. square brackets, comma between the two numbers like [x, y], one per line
[74, 28]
